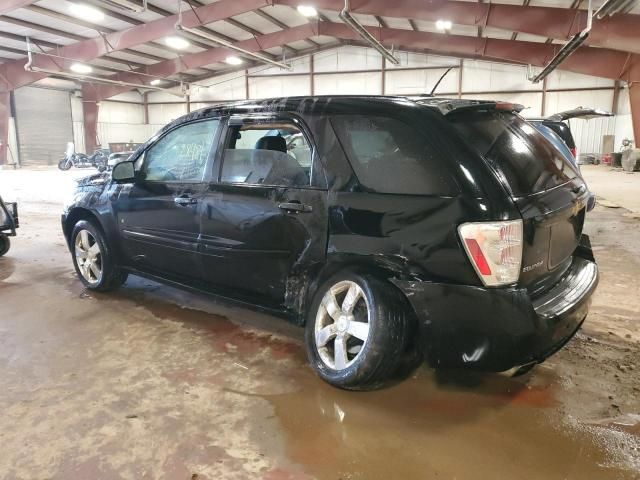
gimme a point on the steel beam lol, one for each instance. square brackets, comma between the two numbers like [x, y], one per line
[619, 32]
[7, 6]
[586, 60]
[208, 57]
[5, 113]
[600, 62]
[90, 49]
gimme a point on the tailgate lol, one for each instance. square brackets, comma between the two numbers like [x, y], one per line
[543, 183]
[552, 222]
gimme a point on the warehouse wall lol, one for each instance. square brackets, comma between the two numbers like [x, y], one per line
[120, 120]
[357, 70]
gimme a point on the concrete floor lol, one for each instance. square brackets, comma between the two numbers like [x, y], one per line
[615, 185]
[150, 382]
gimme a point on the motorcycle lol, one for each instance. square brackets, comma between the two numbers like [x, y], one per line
[98, 159]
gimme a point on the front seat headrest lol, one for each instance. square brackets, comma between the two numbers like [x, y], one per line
[279, 144]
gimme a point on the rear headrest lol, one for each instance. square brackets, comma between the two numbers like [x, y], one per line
[278, 144]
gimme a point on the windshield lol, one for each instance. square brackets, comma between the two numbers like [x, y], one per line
[528, 162]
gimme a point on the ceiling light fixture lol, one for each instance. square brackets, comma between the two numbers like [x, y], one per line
[178, 43]
[444, 25]
[234, 60]
[86, 12]
[81, 68]
[128, 5]
[307, 11]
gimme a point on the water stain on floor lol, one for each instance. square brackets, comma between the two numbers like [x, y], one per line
[436, 424]
[424, 428]
[133, 385]
[445, 424]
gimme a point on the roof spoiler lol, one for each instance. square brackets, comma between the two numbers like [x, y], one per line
[448, 106]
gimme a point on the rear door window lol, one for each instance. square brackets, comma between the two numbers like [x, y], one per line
[267, 152]
[391, 156]
[528, 162]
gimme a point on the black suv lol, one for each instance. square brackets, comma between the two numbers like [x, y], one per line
[392, 229]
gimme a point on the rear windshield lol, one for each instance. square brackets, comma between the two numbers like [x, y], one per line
[391, 156]
[527, 160]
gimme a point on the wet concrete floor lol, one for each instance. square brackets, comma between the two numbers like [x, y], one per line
[134, 385]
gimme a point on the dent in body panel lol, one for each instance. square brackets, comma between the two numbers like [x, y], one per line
[417, 232]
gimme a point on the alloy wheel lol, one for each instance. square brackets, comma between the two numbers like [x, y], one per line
[342, 325]
[88, 257]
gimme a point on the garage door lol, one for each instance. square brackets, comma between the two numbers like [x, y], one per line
[43, 121]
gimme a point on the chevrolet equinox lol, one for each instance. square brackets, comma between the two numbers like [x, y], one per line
[449, 230]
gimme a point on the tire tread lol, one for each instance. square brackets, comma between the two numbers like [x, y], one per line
[383, 359]
[113, 276]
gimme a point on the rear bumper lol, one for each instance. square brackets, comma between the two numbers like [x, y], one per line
[499, 329]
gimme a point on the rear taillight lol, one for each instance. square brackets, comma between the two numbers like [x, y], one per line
[495, 250]
[574, 152]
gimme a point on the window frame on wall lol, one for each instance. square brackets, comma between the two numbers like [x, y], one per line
[317, 175]
[141, 162]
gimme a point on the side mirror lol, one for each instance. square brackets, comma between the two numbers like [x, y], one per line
[123, 172]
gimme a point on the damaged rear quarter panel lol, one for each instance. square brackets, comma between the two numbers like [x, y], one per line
[409, 236]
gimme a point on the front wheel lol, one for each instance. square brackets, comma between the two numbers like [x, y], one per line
[64, 164]
[93, 259]
[358, 331]
[5, 244]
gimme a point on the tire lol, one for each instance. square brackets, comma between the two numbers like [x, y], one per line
[95, 266]
[64, 164]
[5, 244]
[370, 363]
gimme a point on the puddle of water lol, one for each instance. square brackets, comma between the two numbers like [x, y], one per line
[427, 428]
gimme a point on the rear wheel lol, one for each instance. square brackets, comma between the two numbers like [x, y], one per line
[357, 332]
[5, 244]
[93, 260]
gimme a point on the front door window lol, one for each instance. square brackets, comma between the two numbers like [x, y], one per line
[181, 155]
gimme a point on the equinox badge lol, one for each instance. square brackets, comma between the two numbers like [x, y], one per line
[528, 268]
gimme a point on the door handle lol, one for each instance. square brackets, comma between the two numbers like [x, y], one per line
[295, 207]
[185, 200]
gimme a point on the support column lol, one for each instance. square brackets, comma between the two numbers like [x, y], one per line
[312, 75]
[460, 70]
[616, 97]
[543, 108]
[90, 108]
[634, 99]
[246, 84]
[5, 113]
[145, 103]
